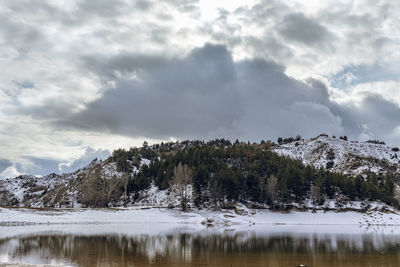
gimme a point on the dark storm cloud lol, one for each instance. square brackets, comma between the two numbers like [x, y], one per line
[320, 90]
[267, 47]
[122, 63]
[276, 104]
[206, 94]
[299, 28]
[18, 35]
[193, 96]
[379, 114]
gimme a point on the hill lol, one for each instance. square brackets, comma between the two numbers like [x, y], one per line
[341, 155]
[214, 174]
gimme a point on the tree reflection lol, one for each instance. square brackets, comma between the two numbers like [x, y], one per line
[196, 249]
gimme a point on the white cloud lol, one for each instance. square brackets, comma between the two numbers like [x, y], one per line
[10, 172]
[389, 90]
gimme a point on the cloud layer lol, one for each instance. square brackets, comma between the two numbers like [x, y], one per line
[207, 94]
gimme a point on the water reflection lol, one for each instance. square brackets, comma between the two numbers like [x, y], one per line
[203, 249]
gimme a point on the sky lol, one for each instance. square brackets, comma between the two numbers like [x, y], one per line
[80, 78]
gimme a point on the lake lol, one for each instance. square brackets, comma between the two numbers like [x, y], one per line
[181, 245]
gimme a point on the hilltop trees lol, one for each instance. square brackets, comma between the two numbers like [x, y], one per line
[281, 141]
[218, 172]
[213, 174]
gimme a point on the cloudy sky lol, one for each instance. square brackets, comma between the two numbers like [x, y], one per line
[80, 78]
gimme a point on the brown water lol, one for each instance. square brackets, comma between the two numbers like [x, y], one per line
[202, 249]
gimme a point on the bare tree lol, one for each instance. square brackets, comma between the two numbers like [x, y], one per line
[98, 190]
[396, 192]
[91, 194]
[180, 183]
[272, 190]
[125, 178]
[111, 186]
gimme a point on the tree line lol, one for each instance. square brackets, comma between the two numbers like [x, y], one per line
[221, 172]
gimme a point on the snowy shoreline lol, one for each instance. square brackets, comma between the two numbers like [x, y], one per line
[166, 219]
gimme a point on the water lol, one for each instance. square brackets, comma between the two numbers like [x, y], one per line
[92, 246]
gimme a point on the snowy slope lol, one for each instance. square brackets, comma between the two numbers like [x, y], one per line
[52, 190]
[350, 157]
[27, 187]
[62, 191]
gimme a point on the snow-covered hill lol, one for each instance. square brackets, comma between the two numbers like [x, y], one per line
[336, 154]
[63, 191]
[50, 190]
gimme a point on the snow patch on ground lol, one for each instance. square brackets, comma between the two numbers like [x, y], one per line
[154, 197]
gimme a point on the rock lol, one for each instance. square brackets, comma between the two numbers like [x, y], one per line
[241, 212]
[208, 221]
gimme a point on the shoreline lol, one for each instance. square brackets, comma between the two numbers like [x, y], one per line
[202, 218]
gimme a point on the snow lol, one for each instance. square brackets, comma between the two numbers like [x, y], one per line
[154, 197]
[24, 216]
[314, 151]
[21, 185]
[144, 162]
[160, 219]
